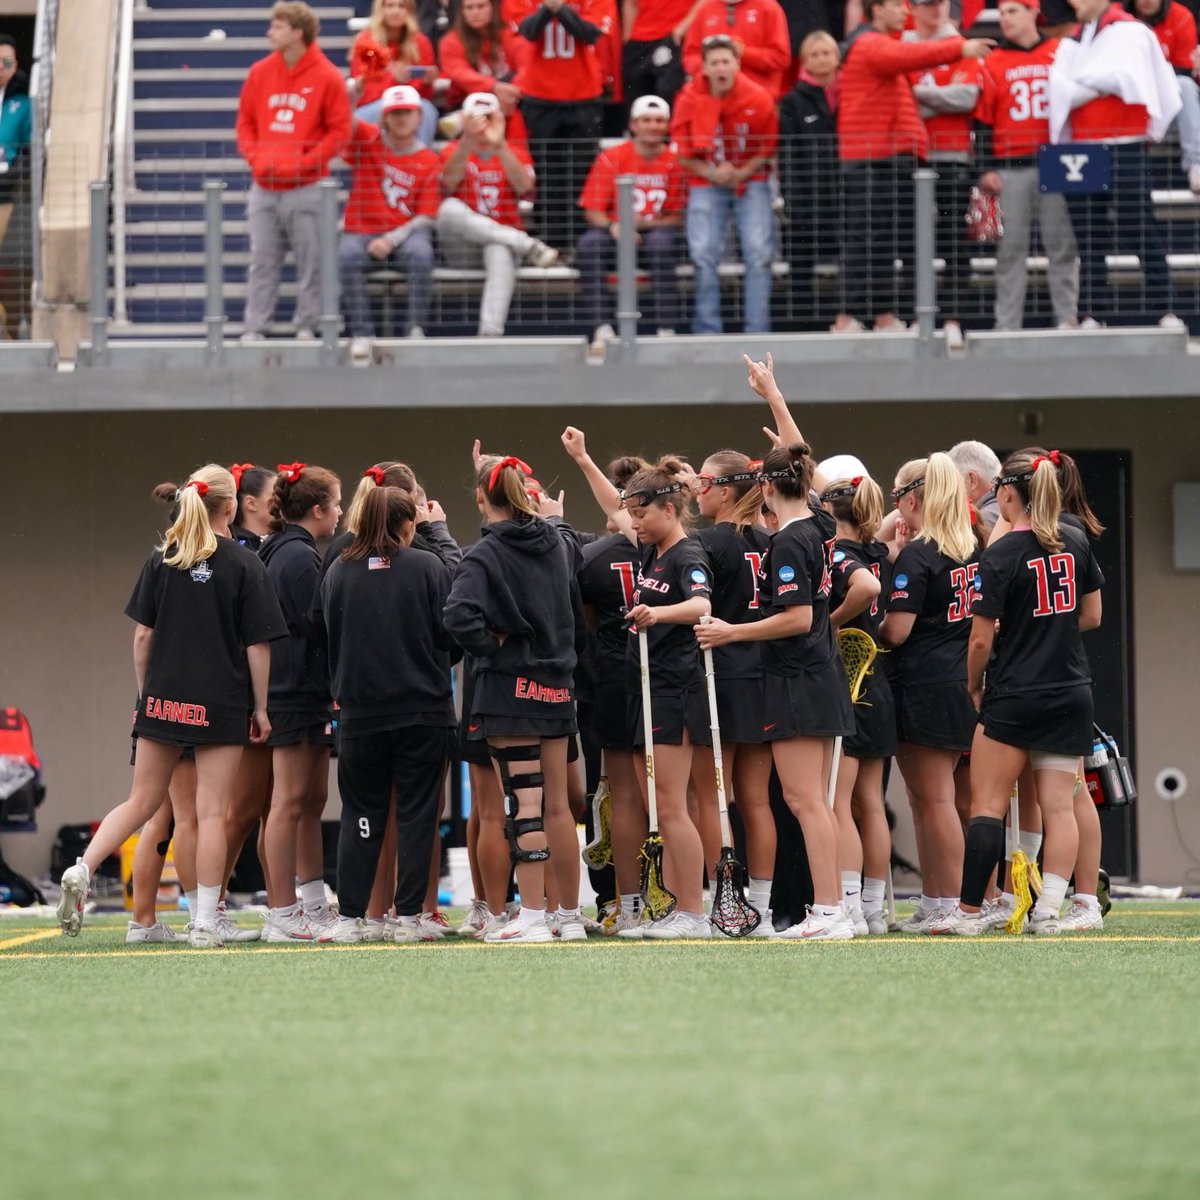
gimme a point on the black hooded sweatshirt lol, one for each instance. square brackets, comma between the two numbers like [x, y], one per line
[516, 580]
[299, 664]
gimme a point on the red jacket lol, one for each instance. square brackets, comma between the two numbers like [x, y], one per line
[1108, 117]
[734, 128]
[369, 62]
[494, 64]
[292, 121]
[558, 66]
[762, 29]
[877, 116]
[1175, 28]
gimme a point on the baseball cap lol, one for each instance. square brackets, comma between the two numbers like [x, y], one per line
[481, 103]
[1031, 4]
[649, 106]
[401, 96]
[842, 466]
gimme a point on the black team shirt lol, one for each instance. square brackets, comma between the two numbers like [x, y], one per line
[606, 583]
[197, 689]
[848, 557]
[736, 559]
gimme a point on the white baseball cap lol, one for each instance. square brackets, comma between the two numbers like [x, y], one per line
[649, 106]
[842, 466]
[401, 96]
[481, 103]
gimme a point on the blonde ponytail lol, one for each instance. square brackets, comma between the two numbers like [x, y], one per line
[945, 515]
[1033, 475]
[190, 539]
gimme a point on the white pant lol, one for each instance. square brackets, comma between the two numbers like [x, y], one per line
[465, 238]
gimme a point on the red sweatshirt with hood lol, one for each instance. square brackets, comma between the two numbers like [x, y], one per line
[292, 120]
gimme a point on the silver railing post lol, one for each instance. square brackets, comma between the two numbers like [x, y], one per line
[214, 273]
[98, 269]
[331, 318]
[627, 297]
[925, 249]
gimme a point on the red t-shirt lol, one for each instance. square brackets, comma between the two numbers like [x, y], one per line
[1015, 100]
[369, 62]
[387, 190]
[657, 18]
[658, 188]
[557, 67]
[485, 186]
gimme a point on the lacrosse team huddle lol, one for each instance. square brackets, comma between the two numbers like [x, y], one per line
[766, 667]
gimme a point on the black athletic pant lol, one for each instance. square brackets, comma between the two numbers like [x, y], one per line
[412, 762]
[651, 69]
[878, 229]
[564, 139]
[953, 194]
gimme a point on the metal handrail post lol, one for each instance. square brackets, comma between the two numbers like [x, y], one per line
[627, 298]
[331, 318]
[214, 273]
[926, 247]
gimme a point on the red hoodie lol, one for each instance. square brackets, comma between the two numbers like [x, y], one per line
[877, 117]
[292, 121]
[734, 128]
[761, 27]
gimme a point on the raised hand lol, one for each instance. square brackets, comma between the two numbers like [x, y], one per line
[574, 443]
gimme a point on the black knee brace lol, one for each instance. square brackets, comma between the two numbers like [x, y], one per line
[515, 828]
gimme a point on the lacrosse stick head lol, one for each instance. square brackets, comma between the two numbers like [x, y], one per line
[1022, 899]
[597, 854]
[656, 899]
[858, 651]
[732, 913]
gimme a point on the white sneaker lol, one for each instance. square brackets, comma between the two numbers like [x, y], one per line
[518, 931]
[1194, 177]
[913, 922]
[664, 331]
[891, 324]
[954, 335]
[932, 918]
[284, 926]
[347, 931]
[410, 929]
[375, 929]
[876, 922]
[1091, 323]
[815, 928]
[416, 332]
[766, 925]
[996, 914]
[204, 937]
[361, 352]
[1046, 925]
[251, 336]
[322, 920]
[495, 921]
[571, 928]
[1171, 321]
[604, 336]
[627, 927]
[158, 933]
[436, 924]
[1080, 918]
[552, 922]
[959, 922]
[541, 255]
[231, 931]
[476, 918]
[847, 324]
[854, 914]
[75, 883]
[306, 335]
[680, 925]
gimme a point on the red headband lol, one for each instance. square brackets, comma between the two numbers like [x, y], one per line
[375, 473]
[200, 486]
[237, 471]
[507, 461]
[291, 471]
[1052, 458]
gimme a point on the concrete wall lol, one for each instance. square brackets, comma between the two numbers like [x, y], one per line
[78, 522]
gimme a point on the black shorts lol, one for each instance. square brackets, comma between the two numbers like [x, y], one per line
[1056, 721]
[671, 715]
[484, 725]
[813, 704]
[188, 755]
[300, 729]
[471, 749]
[740, 708]
[874, 721]
[610, 715]
[940, 715]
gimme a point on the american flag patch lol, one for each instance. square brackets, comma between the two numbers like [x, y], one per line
[378, 564]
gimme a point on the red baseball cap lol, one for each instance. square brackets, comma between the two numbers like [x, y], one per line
[1037, 8]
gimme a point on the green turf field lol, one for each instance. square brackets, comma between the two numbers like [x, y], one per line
[886, 1067]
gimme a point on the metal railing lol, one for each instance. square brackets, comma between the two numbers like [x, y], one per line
[122, 154]
[41, 81]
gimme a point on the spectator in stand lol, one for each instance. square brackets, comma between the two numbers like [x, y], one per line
[658, 199]
[979, 467]
[483, 178]
[560, 101]
[1110, 85]
[1175, 27]
[481, 53]
[760, 27]
[608, 63]
[946, 97]
[293, 117]
[725, 131]
[436, 18]
[808, 169]
[389, 51]
[395, 192]
[881, 139]
[652, 59]
[16, 129]
[1014, 121]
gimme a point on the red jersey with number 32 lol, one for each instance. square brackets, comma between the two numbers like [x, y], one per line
[387, 190]
[658, 183]
[485, 186]
[558, 67]
[1015, 100]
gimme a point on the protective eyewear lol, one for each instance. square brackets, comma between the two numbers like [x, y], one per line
[645, 496]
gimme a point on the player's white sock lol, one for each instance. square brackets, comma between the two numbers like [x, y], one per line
[532, 916]
[759, 893]
[928, 903]
[568, 914]
[872, 894]
[1088, 901]
[826, 910]
[311, 893]
[1054, 891]
[191, 902]
[629, 905]
[1008, 900]
[947, 903]
[206, 905]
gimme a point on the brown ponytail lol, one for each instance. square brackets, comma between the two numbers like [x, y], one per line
[667, 472]
[382, 474]
[790, 469]
[381, 519]
[502, 482]
[299, 488]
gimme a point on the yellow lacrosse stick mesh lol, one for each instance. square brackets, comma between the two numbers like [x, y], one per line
[597, 854]
[858, 652]
[1022, 872]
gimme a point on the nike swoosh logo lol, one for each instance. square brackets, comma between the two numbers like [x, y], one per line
[656, 728]
[810, 119]
[472, 728]
[768, 728]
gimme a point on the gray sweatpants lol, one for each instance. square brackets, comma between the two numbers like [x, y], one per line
[466, 237]
[1020, 201]
[279, 220]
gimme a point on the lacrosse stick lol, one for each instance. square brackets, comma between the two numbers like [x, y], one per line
[597, 854]
[1022, 900]
[732, 913]
[858, 651]
[656, 900]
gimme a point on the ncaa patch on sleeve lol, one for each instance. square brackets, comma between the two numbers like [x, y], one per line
[839, 555]
[787, 574]
[698, 576]
[900, 581]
